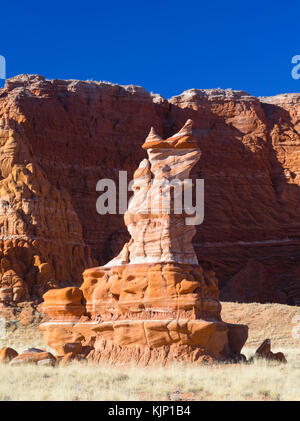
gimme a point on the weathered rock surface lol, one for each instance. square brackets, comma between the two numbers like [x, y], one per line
[7, 354]
[58, 138]
[37, 357]
[70, 357]
[152, 303]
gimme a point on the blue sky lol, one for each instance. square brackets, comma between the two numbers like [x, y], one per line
[164, 46]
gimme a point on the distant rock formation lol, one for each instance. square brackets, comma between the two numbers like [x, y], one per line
[152, 303]
[59, 137]
[264, 351]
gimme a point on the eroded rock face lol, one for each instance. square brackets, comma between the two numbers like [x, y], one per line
[58, 138]
[41, 244]
[152, 303]
[250, 164]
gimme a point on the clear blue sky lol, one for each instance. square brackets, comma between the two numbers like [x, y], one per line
[165, 46]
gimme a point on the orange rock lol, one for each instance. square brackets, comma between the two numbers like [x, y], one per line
[87, 130]
[57, 334]
[168, 286]
[153, 303]
[70, 357]
[64, 303]
[73, 347]
[40, 358]
[184, 139]
[7, 354]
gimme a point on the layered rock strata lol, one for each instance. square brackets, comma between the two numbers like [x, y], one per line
[153, 302]
[41, 243]
[59, 137]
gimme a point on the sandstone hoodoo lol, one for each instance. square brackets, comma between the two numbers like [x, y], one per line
[153, 302]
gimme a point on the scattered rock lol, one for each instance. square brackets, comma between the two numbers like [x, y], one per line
[7, 354]
[73, 347]
[33, 358]
[48, 362]
[264, 351]
[70, 357]
[278, 356]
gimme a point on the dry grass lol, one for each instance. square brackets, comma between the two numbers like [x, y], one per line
[21, 337]
[258, 381]
[79, 381]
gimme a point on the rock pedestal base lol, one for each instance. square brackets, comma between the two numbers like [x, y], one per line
[148, 313]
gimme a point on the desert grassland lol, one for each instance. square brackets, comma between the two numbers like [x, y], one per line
[80, 381]
[260, 380]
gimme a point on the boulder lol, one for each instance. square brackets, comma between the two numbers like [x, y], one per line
[71, 357]
[7, 354]
[73, 347]
[264, 351]
[34, 358]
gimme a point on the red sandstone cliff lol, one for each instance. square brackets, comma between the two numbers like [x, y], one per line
[58, 138]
